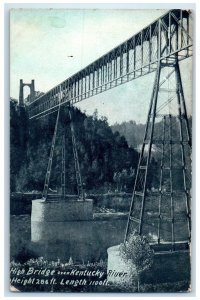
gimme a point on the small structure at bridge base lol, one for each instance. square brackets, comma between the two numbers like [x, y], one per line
[48, 216]
[119, 271]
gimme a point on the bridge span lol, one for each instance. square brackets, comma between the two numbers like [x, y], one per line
[168, 37]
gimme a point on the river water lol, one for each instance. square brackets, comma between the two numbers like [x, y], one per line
[83, 241]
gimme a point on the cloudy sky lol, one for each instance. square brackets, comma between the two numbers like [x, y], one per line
[42, 39]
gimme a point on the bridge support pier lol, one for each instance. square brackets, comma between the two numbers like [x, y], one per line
[48, 216]
[118, 270]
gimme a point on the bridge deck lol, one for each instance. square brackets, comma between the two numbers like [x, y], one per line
[168, 37]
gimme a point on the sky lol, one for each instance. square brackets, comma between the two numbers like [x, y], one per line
[42, 39]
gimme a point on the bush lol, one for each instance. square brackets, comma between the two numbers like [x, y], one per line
[137, 251]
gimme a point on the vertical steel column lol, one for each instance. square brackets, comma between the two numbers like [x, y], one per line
[161, 179]
[73, 92]
[141, 51]
[113, 69]
[67, 88]
[101, 78]
[78, 87]
[181, 91]
[69, 85]
[180, 117]
[170, 33]
[89, 83]
[81, 193]
[103, 74]
[85, 84]
[81, 88]
[187, 34]
[155, 98]
[159, 39]
[75, 88]
[134, 56]
[176, 38]
[106, 72]
[181, 21]
[93, 80]
[121, 61]
[171, 183]
[97, 76]
[150, 47]
[150, 119]
[178, 74]
[116, 68]
[48, 173]
[63, 187]
[127, 61]
[152, 108]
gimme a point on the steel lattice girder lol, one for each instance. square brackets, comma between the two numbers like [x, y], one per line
[166, 37]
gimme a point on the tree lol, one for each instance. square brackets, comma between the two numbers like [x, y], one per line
[101, 152]
[137, 251]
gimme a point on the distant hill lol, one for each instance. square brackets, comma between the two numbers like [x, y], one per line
[134, 133]
[131, 131]
[107, 154]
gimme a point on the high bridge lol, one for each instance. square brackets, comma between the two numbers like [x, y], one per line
[163, 212]
[168, 37]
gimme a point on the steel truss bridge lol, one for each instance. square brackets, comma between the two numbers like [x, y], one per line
[166, 37]
[158, 47]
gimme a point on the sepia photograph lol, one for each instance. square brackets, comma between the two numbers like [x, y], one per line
[100, 150]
